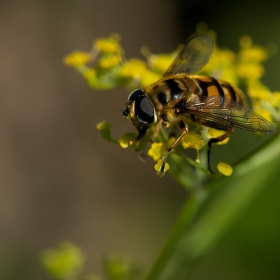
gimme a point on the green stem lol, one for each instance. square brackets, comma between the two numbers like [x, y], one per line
[258, 148]
[183, 222]
[194, 244]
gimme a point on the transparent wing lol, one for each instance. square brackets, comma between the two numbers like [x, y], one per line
[229, 114]
[194, 55]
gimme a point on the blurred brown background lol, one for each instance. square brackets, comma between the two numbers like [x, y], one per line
[58, 179]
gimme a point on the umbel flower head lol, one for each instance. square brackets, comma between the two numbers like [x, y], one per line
[105, 67]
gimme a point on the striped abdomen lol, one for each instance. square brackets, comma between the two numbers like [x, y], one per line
[211, 87]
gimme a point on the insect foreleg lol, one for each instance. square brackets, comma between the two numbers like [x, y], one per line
[216, 140]
[174, 144]
[143, 154]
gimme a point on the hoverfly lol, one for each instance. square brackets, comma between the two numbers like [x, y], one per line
[182, 97]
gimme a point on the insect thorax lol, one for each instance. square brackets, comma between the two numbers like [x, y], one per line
[168, 92]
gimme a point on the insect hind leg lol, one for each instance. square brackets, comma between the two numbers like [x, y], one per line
[216, 140]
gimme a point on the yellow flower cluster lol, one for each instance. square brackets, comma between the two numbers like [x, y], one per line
[245, 69]
[105, 67]
[193, 140]
[77, 59]
[112, 70]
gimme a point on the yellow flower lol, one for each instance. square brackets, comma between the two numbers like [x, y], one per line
[127, 140]
[220, 59]
[110, 61]
[250, 52]
[193, 140]
[108, 45]
[257, 90]
[229, 74]
[263, 112]
[276, 99]
[158, 63]
[277, 95]
[250, 71]
[157, 151]
[158, 165]
[149, 78]
[133, 68]
[77, 58]
[89, 73]
[225, 168]
[131, 73]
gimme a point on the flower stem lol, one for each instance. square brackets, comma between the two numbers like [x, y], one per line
[258, 148]
[183, 222]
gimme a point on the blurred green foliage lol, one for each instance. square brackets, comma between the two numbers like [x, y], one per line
[66, 262]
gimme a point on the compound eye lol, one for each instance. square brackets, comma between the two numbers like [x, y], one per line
[144, 110]
[135, 94]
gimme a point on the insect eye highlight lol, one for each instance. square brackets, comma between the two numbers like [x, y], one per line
[135, 94]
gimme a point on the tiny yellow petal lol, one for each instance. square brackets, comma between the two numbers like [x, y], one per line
[276, 96]
[133, 68]
[160, 63]
[108, 45]
[103, 125]
[158, 166]
[258, 91]
[77, 58]
[127, 140]
[107, 62]
[253, 54]
[263, 112]
[131, 73]
[192, 140]
[157, 151]
[225, 168]
[250, 70]
[149, 78]
[125, 143]
[90, 73]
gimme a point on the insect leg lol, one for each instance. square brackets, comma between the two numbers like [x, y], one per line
[143, 154]
[142, 129]
[174, 144]
[156, 131]
[216, 140]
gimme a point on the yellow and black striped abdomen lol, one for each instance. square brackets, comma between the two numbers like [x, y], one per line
[211, 87]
